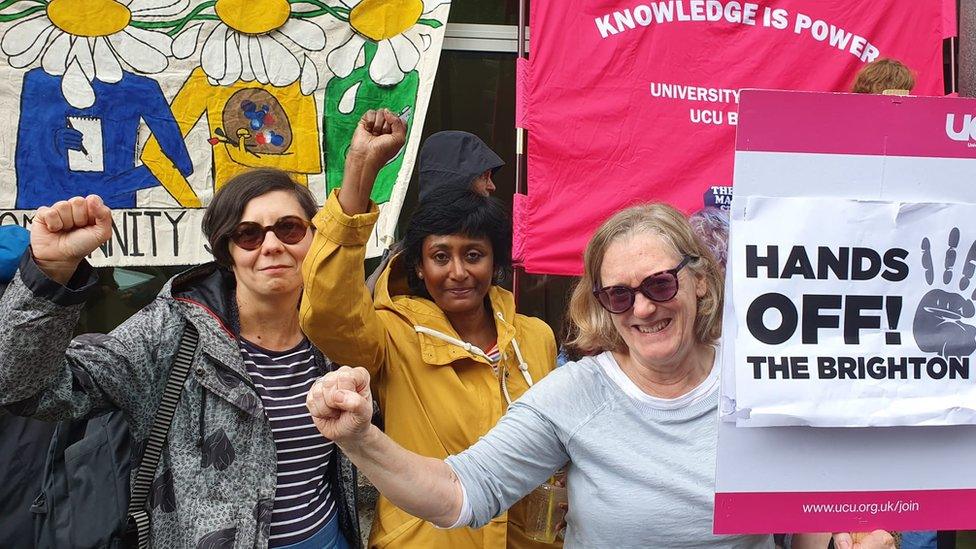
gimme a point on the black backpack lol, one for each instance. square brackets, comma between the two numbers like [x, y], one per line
[85, 494]
[85, 499]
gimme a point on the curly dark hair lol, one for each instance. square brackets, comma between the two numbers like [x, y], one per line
[458, 211]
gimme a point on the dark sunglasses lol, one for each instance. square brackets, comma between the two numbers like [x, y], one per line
[658, 287]
[249, 235]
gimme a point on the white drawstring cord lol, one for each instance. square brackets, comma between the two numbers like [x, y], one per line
[522, 366]
[504, 376]
[475, 350]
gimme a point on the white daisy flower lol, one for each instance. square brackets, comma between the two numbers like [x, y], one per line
[89, 40]
[395, 27]
[251, 42]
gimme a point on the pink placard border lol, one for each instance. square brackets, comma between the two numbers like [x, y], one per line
[807, 122]
[794, 512]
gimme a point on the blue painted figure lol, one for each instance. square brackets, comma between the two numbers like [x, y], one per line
[63, 151]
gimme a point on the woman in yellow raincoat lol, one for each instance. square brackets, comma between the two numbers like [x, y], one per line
[440, 338]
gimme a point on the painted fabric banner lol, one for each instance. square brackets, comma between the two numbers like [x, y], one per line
[156, 104]
[856, 213]
[628, 102]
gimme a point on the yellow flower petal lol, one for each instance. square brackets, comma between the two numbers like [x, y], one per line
[383, 19]
[89, 17]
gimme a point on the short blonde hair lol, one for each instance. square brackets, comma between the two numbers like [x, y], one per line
[591, 329]
[883, 74]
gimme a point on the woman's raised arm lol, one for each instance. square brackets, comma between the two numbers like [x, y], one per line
[337, 308]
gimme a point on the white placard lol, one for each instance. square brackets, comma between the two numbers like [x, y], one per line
[853, 313]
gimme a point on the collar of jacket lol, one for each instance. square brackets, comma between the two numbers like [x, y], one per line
[209, 289]
[207, 293]
[392, 294]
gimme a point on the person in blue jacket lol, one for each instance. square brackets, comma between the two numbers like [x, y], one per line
[23, 441]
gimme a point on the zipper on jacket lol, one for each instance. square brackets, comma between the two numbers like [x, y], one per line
[203, 413]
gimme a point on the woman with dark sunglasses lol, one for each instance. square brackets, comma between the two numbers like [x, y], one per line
[243, 464]
[635, 418]
[440, 337]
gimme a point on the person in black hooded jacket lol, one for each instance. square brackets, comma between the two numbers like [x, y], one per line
[457, 159]
[449, 159]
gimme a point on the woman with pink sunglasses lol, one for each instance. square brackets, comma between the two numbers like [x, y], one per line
[635, 418]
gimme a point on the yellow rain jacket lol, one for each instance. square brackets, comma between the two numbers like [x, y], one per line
[437, 398]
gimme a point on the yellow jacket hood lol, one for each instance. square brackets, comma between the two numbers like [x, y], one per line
[392, 294]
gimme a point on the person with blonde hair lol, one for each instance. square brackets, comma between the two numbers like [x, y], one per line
[634, 422]
[883, 74]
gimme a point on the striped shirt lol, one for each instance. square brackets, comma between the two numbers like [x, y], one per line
[304, 501]
[494, 355]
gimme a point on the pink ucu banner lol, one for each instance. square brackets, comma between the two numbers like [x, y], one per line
[632, 101]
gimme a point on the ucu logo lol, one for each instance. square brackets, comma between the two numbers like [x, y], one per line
[966, 132]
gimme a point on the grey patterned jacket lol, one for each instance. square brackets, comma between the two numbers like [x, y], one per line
[216, 480]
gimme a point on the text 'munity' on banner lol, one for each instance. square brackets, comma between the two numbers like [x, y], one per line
[629, 102]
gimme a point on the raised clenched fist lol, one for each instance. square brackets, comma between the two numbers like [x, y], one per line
[341, 405]
[64, 234]
[378, 137]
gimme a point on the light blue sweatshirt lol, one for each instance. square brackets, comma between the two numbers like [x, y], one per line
[641, 470]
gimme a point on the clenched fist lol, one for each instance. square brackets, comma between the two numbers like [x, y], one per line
[64, 234]
[378, 137]
[341, 405]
